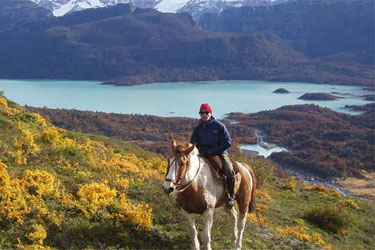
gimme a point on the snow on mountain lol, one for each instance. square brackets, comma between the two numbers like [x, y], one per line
[61, 7]
[195, 7]
[170, 5]
[198, 7]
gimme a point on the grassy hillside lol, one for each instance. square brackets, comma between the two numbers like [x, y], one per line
[68, 190]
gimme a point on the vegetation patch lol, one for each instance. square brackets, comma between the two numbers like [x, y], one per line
[318, 97]
[71, 189]
[330, 217]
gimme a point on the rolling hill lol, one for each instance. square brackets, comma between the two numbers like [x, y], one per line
[68, 190]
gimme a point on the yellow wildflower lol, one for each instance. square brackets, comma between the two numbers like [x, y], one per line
[122, 184]
[38, 182]
[300, 232]
[5, 109]
[261, 207]
[39, 119]
[349, 203]
[257, 218]
[4, 176]
[38, 235]
[97, 193]
[319, 188]
[291, 183]
[318, 240]
[95, 196]
[138, 215]
[263, 193]
[13, 205]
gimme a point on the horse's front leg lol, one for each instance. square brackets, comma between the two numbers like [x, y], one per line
[241, 228]
[193, 230]
[233, 216]
[208, 221]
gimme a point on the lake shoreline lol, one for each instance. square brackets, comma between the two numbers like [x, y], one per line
[365, 87]
[162, 99]
[339, 83]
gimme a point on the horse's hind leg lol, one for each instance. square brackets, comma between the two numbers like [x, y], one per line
[207, 220]
[233, 214]
[193, 230]
[241, 228]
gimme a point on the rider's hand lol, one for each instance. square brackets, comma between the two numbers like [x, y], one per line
[205, 152]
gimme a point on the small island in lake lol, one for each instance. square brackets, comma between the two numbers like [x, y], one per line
[369, 97]
[281, 91]
[318, 97]
[362, 108]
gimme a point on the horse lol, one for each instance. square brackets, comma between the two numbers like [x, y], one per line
[199, 191]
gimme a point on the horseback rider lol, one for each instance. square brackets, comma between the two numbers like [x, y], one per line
[213, 139]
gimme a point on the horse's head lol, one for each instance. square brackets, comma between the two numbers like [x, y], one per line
[178, 165]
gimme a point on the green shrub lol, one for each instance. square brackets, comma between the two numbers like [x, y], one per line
[330, 217]
[265, 172]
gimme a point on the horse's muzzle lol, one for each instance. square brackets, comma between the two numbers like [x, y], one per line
[168, 190]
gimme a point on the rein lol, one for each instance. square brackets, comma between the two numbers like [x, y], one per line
[180, 190]
[178, 181]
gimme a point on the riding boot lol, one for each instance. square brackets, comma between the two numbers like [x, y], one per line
[230, 187]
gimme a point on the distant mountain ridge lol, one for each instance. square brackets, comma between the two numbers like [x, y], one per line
[194, 7]
[62, 7]
[197, 8]
[317, 28]
[130, 45]
[17, 12]
[125, 45]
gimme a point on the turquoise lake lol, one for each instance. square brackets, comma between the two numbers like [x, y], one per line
[173, 99]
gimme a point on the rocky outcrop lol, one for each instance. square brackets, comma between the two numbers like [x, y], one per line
[281, 91]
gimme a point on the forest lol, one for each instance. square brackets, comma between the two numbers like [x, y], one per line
[320, 141]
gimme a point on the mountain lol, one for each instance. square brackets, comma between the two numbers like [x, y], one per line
[194, 7]
[125, 45]
[334, 28]
[61, 7]
[170, 6]
[197, 8]
[14, 13]
[133, 45]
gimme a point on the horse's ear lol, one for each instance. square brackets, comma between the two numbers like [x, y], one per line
[188, 150]
[174, 145]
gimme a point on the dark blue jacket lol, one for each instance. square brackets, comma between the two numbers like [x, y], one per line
[212, 137]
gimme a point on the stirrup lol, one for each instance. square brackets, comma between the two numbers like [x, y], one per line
[229, 203]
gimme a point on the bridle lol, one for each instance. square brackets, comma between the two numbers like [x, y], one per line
[178, 177]
[176, 172]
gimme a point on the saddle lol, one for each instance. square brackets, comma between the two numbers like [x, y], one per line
[216, 165]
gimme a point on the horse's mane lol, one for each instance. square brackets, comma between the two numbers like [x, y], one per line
[195, 151]
[181, 147]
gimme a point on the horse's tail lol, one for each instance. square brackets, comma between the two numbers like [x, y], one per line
[252, 204]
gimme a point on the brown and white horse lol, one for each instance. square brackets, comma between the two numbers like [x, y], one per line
[200, 192]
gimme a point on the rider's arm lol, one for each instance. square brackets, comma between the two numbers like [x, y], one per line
[195, 136]
[225, 141]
